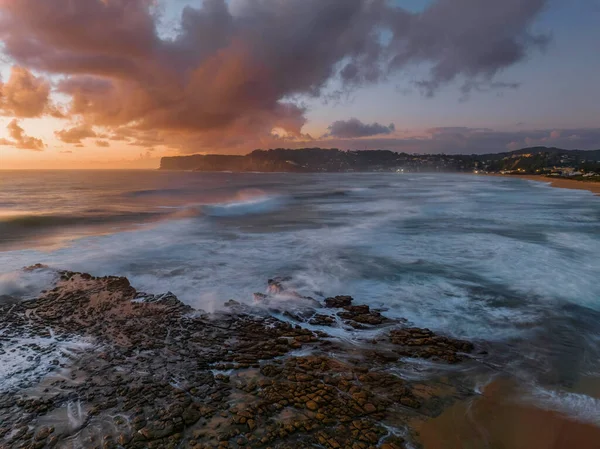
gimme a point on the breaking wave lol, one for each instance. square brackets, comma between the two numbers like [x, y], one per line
[248, 202]
[25, 284]
[41, 221]
[577, 406]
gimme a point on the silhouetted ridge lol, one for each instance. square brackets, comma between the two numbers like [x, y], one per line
[529, 160]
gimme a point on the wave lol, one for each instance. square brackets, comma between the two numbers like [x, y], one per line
[577, 406]
[442, 266]
[25, 284]
[156, 192]
[25, 230]
[337, 193]
[321, 195]
[24, 221]
[247, 202]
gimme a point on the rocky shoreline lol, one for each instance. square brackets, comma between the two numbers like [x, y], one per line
[104, 366]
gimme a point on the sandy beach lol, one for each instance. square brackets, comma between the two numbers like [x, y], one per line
[501, 418]
[562, 182]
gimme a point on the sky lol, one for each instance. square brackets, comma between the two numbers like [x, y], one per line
[121, 83]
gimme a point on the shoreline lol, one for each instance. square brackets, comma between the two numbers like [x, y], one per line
[560, 183]
[135, 370]
[126, 369]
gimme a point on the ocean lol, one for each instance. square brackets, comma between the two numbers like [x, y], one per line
[511, 262]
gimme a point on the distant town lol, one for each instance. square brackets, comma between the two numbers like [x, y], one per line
[575, 164]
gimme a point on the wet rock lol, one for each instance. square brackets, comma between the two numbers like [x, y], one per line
[44, 433]
[338, 302]
[312, 405]
[322, 320]
[151, 372]
[37, 266]
[276, 285]
[362, 314]
[423, 343]
[260, 297]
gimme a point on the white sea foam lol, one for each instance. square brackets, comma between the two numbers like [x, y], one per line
[76, 414]
[428, 248]
[246, 202]
[26, 360]
[577, 406]
[25, 284]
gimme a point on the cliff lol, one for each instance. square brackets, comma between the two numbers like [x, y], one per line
[313, 160]
[211, 162]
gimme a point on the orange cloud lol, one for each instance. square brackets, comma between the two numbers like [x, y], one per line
[232, 75]
[25, 95]
[76, 134]
[21, 140]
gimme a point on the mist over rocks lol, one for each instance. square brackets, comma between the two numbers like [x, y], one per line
[120, 368]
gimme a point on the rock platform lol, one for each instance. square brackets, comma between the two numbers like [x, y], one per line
[93, 363]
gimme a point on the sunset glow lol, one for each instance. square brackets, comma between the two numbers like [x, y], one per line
[114, 84]
[291, 224]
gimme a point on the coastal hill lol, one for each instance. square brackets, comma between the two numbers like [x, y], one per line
[310, 160]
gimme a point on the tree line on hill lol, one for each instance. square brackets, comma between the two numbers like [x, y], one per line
[309, 160]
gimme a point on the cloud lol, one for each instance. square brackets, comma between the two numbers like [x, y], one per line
[21, 140]
[355, 128]
[469, 39]
[76, 134]
[580, 138]
[464, 140]
[24, 95]
[236, 70]
[121, 134]
[102, 143]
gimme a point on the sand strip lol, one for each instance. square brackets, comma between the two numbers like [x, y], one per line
[562, 183]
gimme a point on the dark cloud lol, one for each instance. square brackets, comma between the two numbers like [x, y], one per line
[353, 128]
[471, 140]
[21, 140]
[468, 39]
[102, 143]
[463, 140]
[231, 74]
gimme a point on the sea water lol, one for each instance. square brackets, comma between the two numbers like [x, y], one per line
[501, 260]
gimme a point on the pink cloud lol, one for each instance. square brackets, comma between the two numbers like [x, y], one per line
[229, 77]
[25, 95]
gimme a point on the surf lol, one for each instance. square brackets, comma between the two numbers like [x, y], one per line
[246, 202]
